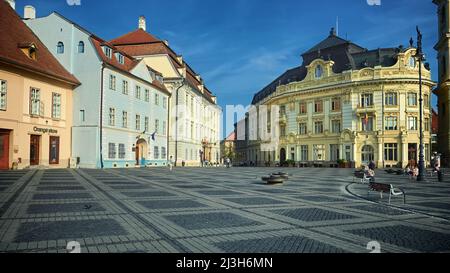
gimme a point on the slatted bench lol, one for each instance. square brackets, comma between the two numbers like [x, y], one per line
[386, 188]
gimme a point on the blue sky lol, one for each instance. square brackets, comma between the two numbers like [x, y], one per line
[240, 46]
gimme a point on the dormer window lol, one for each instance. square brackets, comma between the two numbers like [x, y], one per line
[319, 72]
[412, 62]
[108, 52]
[60, 48]
[29, 49]
[120, 58]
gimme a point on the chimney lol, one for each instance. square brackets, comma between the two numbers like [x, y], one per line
[29, 12]
[12, 3]
[142, 23]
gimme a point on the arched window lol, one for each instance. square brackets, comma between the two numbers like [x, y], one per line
[319, 72]
[367, 154]
[60, 48]
[412, 62]
[81, 47]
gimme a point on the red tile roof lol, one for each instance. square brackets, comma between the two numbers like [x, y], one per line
[140, 43]
[231, 137]
[14, 34]
[129, 62]
[136, 37]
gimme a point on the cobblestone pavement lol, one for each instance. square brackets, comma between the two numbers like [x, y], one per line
[217, 210]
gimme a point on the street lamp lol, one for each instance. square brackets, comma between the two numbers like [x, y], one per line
[420, 57]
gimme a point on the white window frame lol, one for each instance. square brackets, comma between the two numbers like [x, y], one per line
[56, 105]
[3, 95]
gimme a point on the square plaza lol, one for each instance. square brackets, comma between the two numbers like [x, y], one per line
[219, 210]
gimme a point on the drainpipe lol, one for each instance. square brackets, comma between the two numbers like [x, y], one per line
[101, 118]
[176, 122]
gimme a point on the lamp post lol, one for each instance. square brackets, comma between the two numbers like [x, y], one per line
[420, 57]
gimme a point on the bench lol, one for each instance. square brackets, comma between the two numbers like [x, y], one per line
[362, 176]
[386, 188]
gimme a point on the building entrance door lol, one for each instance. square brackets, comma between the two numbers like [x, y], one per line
[282, 155]
[34, 149]
[54, 150]
[4, 150]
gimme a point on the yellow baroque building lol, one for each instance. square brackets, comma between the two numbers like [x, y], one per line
[344, 104]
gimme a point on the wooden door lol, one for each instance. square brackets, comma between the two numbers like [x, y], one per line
[34, 150]
[137, 155]
[4, 150]
[54, 150]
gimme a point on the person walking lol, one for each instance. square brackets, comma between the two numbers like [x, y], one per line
[170, 163]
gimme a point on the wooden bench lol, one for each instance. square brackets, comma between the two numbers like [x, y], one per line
[362, 176]
[386, 188]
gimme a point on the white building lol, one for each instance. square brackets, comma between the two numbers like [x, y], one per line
[120, 110]
[195, 135]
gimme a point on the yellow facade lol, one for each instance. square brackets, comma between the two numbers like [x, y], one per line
[321, 119]
[19, 123]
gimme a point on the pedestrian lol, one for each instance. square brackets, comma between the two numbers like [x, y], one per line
[170, 163]
[372, 165]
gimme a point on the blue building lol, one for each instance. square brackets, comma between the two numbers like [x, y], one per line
[120, 111]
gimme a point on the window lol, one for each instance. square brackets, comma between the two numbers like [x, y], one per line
[319, 152]
[366, 100]
[108, 52]
[82, 115]
[303, 109]
[426, 101]
[112, 117]
[426, 124]
[391, 99]
[164, 103]
[319, 72]
[157, 99]
[367, 154]
[391, 152]
[412, 62]
[36, 107]
[156, 152]
[304, 153]
[56, 106]
[163, 153]
[367, 123]
[81, 47]
[164, 128]
[412, 123]
[147, 95]
[138, 122]
[318, 127]
[60, 48]
[137, 93]
[282, 130]
[112, 150]
[336, 126]
[146, 124]
[157, 126]
[124, 119]
[302, 129]
[3, 92]
[122, 152]
[282, 110]
[120, 58]
[54, 150]
[112, 82]
[318, 106]
[125, 87]
[390, 123]
[334, 152]
[336, 104]
[412, 99]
